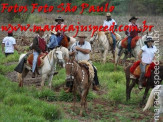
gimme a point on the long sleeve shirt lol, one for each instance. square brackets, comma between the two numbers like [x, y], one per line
[53, 42]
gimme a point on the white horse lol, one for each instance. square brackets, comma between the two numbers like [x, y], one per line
[47, 70]
[119, 50]
[159, 90]
[103, 43]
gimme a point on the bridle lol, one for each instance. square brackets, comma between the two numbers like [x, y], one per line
[73, 73]
[95, 36]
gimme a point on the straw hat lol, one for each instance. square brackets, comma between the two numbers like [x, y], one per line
[53, 31]
[108, 14]
[80, 35]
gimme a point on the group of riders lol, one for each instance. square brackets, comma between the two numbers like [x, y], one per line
[82, 48]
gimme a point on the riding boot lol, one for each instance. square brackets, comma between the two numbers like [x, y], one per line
[95, 88]
[33, 74]
[37, 71]
[140, 82]
[55, 73]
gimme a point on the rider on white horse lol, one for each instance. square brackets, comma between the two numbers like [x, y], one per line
[110, 22]
[39, 47]
[131, 34]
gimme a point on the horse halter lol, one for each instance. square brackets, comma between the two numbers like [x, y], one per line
[94, 38]
[72, 77]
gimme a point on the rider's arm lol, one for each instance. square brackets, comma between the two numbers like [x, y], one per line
[3, 45]
[140, 54]
[85, 51]
[15, 47]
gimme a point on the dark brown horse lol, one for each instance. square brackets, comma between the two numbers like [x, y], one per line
[81, 83]
[130, 82]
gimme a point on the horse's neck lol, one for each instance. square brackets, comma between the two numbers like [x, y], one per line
[78, 71]
[50, 58]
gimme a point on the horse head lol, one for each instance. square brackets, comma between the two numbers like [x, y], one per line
[70, 69]
[95, 37]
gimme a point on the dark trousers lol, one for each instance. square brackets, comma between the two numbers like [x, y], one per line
[129, 43]
[95, 82]
[6, 54]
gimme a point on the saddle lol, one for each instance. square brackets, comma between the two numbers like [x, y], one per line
[135, 71]
[39, 60]
[133, 42]
[110, 39]
[89, 68]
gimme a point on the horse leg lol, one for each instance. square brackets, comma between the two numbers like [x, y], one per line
[145, 95]
[83, 100]
[50, 80]
[117, 57]
[130, 88]
[21, 77]
[104, 56]
[74, 93]
[43, 80]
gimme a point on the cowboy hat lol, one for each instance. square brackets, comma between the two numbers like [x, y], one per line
[132, 18]
[38, 30]
[80, 35]
[53, 31]
[108, 14]
[148, 39]
[59, 18]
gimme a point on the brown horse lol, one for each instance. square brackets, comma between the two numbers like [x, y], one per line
[81, 83]
[149, 84]
[65, 41]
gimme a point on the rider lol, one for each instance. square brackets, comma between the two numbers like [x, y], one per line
[131, 34]
[146, 56]
[53, 40]
[110, 22]
[39, 47]
[9, 44]
[60, 34]
[81, 50]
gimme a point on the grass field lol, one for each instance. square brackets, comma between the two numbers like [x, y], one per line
[32, 104]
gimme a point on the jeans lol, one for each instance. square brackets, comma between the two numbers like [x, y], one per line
[142, 68]
[35, 56]
[114, 40]
[129, 43]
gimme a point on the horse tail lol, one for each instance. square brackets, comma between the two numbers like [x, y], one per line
[151, 99]
[20, 80]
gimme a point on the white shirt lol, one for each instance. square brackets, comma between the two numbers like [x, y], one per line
[109, 23]
[9, 44]
[79, 55]
[148, 54]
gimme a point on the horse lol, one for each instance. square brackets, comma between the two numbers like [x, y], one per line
[152, 96]
[130, 82]
[81, 82]
[119, 50]
[46, 71]
[103, 43]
